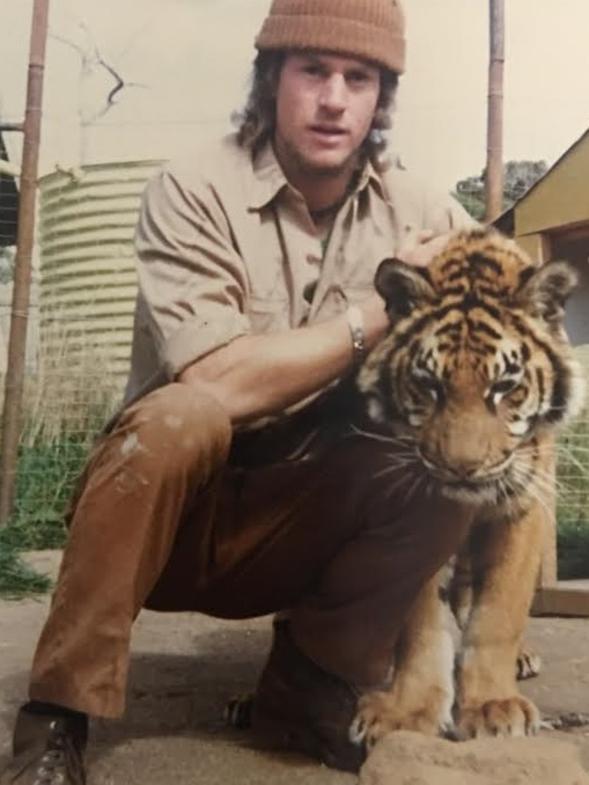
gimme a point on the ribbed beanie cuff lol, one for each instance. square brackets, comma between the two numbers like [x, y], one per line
[368, 29]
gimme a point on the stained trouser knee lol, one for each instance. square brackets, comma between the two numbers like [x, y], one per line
[182, 429]
[124, 522]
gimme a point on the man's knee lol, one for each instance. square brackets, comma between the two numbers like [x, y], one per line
[178, 424]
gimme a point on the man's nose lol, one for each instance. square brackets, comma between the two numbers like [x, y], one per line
[333, 93]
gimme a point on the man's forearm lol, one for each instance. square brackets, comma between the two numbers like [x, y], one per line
[257, 375]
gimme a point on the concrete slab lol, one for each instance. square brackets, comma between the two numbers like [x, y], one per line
[184, 668]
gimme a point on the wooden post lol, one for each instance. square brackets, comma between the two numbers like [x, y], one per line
[494, 168]
[14, 383]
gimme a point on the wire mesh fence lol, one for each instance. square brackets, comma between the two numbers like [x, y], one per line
[573, 473]
[68, 394]
[80, 337]
[572, 491]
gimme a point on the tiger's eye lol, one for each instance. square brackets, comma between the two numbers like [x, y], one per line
[504, 386]
[430, 384]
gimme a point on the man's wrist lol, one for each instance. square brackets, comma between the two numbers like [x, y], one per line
[355, 320]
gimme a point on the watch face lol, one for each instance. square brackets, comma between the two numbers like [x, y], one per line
[356, 325]
[358, 338]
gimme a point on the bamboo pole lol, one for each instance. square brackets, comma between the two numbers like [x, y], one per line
[14, 383]
[494, 168]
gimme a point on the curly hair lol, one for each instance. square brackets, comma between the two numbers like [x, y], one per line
[256, 122]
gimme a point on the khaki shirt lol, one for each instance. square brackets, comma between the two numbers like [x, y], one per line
[226, 247]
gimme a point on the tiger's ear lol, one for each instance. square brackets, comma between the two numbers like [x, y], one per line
[402, 287]
[546, 290]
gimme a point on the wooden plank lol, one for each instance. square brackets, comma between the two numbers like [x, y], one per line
[564, 599]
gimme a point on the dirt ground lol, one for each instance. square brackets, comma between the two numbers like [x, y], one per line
[185, 666]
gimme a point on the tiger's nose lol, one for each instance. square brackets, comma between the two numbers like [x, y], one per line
[465, 470]
[453, 467]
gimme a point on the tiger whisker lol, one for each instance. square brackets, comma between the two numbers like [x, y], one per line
[402, 455]
[534, 489]
[395, 487]
[520, 478]
[380, 437]
[533, 492]
[550, 482]
[392, 468]
[391, 489]
[411, 492]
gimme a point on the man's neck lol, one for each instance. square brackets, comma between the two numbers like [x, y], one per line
[322, 192]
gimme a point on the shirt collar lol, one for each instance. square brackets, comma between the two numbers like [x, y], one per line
[268, 179]
[370, 177]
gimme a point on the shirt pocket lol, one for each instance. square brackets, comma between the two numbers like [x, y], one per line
[268, 314]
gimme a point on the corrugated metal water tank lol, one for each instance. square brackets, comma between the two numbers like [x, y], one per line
[88, 280]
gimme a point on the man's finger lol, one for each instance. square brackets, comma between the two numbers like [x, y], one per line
[420, 254]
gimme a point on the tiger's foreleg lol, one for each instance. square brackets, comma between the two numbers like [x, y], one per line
[488, 701]
[528, 663]
[422, 691]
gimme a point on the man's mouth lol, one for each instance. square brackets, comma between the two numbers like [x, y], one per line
[328, 132]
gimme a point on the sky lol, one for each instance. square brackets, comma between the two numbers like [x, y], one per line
[186, 63]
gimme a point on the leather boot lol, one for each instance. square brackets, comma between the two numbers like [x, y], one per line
[48, 749]
[298, 706]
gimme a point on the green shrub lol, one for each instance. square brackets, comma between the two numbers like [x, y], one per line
[67, 398]
[16, 578]
[46, 476]
[573, 550]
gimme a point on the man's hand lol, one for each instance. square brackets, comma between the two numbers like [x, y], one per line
[419, 248]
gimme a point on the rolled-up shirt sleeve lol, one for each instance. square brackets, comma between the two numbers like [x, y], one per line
[192, 281]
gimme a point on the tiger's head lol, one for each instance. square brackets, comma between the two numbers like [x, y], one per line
[476, 370]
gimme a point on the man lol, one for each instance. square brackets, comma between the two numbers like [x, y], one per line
[229, 484]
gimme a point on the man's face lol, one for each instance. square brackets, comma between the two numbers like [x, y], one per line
[324, 109]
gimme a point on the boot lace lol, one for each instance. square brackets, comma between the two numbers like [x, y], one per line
[61, 756]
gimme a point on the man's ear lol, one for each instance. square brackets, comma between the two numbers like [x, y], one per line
[402, 287]
[545, 291]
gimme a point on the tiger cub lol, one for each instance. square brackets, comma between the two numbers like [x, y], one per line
[473, 380]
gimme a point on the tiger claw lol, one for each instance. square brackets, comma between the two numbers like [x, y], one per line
[357, 731]
[238, 711]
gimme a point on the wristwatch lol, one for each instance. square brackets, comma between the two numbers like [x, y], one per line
[355, 321]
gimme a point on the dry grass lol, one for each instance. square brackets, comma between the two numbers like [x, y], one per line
[65, 404]
[72, 391]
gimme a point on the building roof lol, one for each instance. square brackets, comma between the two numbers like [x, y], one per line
[506, 221]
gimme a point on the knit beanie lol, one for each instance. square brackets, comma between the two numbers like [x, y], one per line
[368, 29]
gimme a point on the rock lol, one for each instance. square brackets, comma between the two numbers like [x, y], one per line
[405, 758]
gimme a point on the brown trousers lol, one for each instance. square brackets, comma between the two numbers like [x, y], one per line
[163, 521]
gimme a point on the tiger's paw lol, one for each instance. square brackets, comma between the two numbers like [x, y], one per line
[516, 716]
[380, 713]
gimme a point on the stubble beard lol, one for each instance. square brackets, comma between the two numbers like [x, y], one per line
[298, 162]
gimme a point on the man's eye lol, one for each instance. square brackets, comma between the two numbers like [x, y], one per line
[312, 70]
[357, 77]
